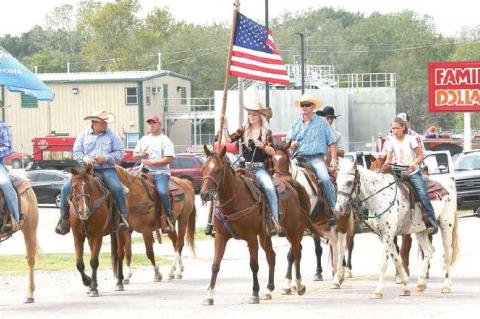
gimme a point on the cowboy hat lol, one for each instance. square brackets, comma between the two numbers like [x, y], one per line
[310, 99]
[260, 108]
[329, 111]
[101, 116]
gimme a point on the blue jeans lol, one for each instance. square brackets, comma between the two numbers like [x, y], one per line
[321, 170]
[9, 192]
[418, 183]
[113, 184]
[265, 181]
[161, 183]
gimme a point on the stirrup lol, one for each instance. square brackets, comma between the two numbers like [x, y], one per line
[123, 225]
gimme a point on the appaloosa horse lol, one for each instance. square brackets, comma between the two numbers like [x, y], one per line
[390, 215]
[144, 213]
[241, 213]
[28, 206]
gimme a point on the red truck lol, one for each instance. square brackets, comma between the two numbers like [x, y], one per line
[55, 152]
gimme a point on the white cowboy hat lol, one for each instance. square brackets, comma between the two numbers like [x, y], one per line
[102, 116]
[260, 108]
[309, 98]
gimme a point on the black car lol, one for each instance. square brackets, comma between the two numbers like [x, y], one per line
[47, 184]
[467, 179]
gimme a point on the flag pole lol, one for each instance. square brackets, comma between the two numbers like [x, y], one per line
[227, 76]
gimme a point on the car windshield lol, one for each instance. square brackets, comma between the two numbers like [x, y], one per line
[468, 162]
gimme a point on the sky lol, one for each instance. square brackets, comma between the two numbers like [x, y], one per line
[448, 16]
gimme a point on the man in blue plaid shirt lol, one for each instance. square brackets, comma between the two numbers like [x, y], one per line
[5, 185]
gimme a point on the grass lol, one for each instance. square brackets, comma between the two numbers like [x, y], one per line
[17, 264]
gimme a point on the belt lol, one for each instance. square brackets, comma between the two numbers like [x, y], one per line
[301, 158]
[254, 164]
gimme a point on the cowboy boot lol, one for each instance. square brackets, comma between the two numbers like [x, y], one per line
[63, 226]
[432, 226]
[123, 225]
[209, 227]
[332, 220]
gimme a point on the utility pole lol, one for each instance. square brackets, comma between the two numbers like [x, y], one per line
[267, 85]
[302, 55]
[159, 65]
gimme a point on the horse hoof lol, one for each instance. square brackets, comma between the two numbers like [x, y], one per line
[318, 277]
[302, 290]
[87, 282]
[208, 302]
[377, 295]
[421, 287]
[119, 287]
[335, 286]
[157, 278]
[405, 293]
[29, 300]
[286, 291]
[254, 300]
[398, 280]
[126, 281]
[267, 296]
[348, 273]
[171, 276]
[341, 280]
[93, 293]
[446, 290]
[179, 276]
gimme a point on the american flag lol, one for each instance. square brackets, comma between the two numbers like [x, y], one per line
[254, 55]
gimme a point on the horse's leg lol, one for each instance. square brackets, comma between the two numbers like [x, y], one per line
[128, 256]
[318, 254]
[220, 244]
[30, 237]
[350, 244]
[174, 238]
[148, 240]
[121, 246]
[95, 244]
[448, 229]
[182, 229]
[287, 290]
[297, 255]
[253, 250]
[427, 249]
[266, 243]
[405, 254]
[430, 237]
[79, 240]
[339, 259]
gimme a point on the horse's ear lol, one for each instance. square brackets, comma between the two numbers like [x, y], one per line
[223, 152]
[372, 158]
[89, 169]
[206, 150]
[74, 170]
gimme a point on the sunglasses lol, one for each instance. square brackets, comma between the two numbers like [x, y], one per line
[306, 104]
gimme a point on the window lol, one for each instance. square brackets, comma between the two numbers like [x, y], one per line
[182, 91]
[131, 96]
[132, 139]
[165, 97]
[148, 95]
[185, 163]
[29, 101]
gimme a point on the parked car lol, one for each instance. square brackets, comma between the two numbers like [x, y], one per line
[188, 166]
[17, 160]
[467, 179]
[47, 184]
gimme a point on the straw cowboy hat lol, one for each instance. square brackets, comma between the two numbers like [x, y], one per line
[309, 98]
[260, 108]
[101, 116]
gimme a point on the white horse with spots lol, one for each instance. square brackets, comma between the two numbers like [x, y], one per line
[390, 215]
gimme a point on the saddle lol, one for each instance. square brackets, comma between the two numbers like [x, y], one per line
[435, 191]
[21, 186]
[278, 183]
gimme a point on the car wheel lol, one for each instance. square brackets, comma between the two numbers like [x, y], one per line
[16, 164]
[58, 200]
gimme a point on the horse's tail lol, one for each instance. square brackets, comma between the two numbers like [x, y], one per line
[114, 254]
[455, 247]
[191, 229]
[304, 204]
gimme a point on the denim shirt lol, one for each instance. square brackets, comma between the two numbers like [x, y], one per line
[89, 145]
[313, 137]
[5, 141]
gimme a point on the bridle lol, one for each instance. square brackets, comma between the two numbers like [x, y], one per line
[91, 207]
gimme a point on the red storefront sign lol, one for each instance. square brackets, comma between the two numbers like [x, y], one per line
[454, 86]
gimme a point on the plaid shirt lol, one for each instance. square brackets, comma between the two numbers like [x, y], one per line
[5, 141]
[238, 135]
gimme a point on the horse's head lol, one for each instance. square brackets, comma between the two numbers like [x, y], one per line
[281, 160]
[213, 171]
[81, 194]
[348, 180]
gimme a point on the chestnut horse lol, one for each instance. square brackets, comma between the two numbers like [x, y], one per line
[240, 215]
[342, 234]
[91, 218]
[144, 211]
[28, 206]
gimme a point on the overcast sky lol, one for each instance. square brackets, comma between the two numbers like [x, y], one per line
[19, 16]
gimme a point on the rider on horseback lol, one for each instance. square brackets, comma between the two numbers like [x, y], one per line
[311, 137]
[102, 148]
[157, 151]
[257, 141]
[5, 184]
[407, 152]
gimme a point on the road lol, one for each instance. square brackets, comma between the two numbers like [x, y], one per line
[61, 294]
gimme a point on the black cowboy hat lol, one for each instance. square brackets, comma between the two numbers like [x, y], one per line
[320, 113]
[329, 111]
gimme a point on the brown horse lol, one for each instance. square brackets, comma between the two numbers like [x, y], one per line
[28, 206]
[91, 218]
[144, 212]
[319, 213]
[241, 214]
